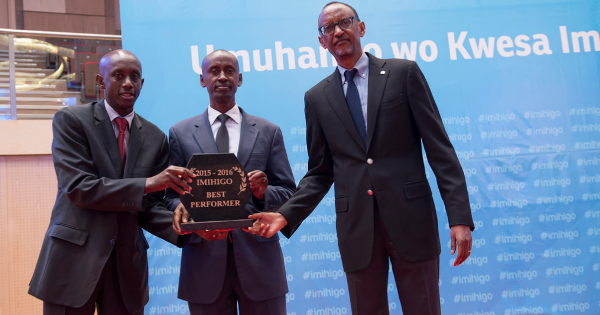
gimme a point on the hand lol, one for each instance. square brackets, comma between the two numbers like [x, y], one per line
[258, 183]
[460, 236]
[174, 177]
[211, 235]
[180, 215]
[266, 224]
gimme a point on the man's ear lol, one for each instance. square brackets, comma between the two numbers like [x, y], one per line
[322, 42]
[202, 83]
[100, 81]
[362, 28]
[240, 81]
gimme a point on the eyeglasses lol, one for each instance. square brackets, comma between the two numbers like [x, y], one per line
[345, 23]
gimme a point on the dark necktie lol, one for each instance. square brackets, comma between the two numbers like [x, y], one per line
[123, 124]
[353, 100]
[222, 135]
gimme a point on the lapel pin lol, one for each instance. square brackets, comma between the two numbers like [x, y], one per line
[382, 72]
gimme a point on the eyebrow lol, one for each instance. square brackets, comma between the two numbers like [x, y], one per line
[336, 21]
[226, 67]
[135, 71]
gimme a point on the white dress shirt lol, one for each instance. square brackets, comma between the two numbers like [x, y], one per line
[112, 114]
[233, 124]
[361, 80]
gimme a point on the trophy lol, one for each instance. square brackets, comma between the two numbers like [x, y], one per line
[219, 193]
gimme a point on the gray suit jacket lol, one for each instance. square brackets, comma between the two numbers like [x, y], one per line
[401, 114]
[100, 205]
[203, 262]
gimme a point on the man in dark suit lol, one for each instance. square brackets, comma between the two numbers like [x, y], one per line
[222, 267]
[111, 165]
[364, 128]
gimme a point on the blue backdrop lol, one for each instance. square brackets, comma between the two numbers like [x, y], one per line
[517, 85]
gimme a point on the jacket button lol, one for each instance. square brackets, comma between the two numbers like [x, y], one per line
[112, 242]
[370, 192]
[369, 161]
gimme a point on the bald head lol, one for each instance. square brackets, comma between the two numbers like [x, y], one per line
[116, 55]
[121, 79]
[220, 53]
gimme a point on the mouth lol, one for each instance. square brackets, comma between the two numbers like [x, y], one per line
[222, 87]
[341, 41]
[128, 96]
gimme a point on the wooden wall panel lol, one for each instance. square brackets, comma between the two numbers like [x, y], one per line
[4, 15]
[110, 25]
[109, 10]
[117, 15]
[87, 7]
[4, 242]
[27, 194]
[28, 137]
[94, 24]
[87, 16]
[57, 6]
[55, 22]
[31, 196]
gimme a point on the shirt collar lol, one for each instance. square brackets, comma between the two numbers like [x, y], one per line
[362, 65]
[112, 114]
[233, 113]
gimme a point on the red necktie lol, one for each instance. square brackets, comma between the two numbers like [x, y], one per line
[123, 124]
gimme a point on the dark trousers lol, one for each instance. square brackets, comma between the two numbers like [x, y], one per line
[233, 296]
[416, 282]
[106, 296]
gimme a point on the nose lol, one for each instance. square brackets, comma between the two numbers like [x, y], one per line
[222, 76]
[337, 30]
[127, 83]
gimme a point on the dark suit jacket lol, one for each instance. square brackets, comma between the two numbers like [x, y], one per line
[401, 113]
[203, 263]
[99, 206]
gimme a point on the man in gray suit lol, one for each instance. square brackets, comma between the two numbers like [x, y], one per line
[221, 268]
[364, 127]
[111, 165]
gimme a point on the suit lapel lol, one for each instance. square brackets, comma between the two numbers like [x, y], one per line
[107, 134]
[204, 135]
[377, 82]
[134, 145]
[335, 96]
[248, 135]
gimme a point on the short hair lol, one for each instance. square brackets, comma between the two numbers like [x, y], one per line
[221, 50]
[337, 2]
